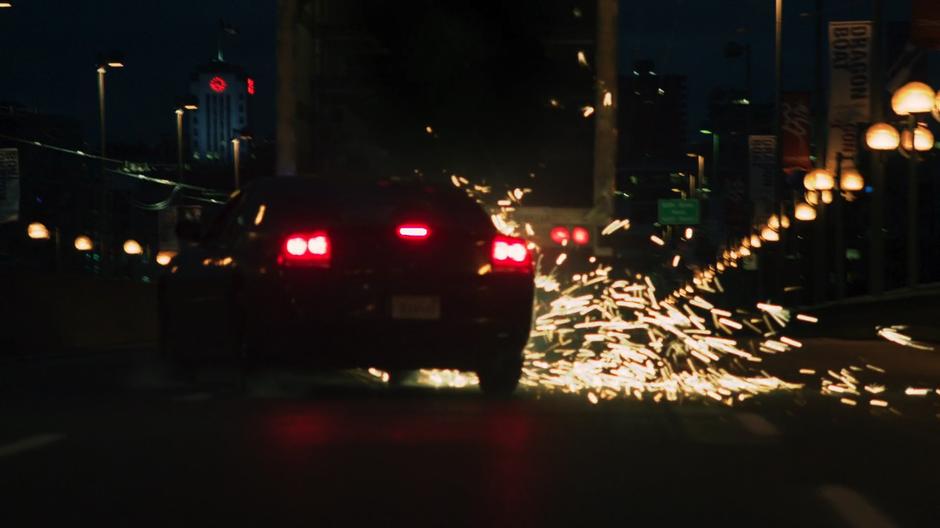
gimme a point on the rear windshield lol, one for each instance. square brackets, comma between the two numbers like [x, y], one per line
[376, 205]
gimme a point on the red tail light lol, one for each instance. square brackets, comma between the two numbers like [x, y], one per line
[414, 231]
[511, 254]
[559, 234]
[580, 236]
[306, 249]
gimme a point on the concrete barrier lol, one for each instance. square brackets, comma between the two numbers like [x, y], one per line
[50, 313]
[857, 318]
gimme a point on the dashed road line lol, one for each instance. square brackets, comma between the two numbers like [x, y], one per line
[757, 424]
[853, 508]
[26, 444]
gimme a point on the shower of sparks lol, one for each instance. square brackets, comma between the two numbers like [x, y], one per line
[604, 336]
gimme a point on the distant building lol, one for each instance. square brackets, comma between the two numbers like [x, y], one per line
[653, 112]
[224, 94]
[652, 161]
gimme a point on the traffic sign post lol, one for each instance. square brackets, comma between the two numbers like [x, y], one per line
[679, 212]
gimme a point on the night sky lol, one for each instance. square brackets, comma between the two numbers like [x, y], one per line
[49, 49]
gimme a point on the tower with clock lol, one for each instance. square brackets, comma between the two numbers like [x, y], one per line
[223, 92]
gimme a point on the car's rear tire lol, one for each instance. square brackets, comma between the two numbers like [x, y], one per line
[501, 376]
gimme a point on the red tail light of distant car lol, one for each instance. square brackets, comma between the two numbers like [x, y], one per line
[511, 254]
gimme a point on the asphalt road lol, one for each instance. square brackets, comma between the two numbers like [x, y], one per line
[114, 440]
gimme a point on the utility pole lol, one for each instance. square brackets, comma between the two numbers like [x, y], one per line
[876, 259]
[780, 251]
[605, 115]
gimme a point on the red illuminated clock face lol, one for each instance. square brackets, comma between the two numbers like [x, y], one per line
[217, 84]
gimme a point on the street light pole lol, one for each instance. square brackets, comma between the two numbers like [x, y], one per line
[876, 259]
[778, 134]
[179, 145]
[101, 72]
[838, 227]
[913, 265]
[235, 152]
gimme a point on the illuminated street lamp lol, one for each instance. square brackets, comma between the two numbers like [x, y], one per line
[882, 136]
[804, 212]
[923, 140]
[37, 231]
[769, 235]
[851, 180]
[83, 243]
[913, 98]
[187, 107]
[818, 180]
[165, 257]
[103, 65]
[133, 247]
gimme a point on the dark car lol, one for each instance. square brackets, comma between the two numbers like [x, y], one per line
[395, 276]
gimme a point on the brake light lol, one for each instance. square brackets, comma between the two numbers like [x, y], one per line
[306, 249]
[559, 234]
[510, 254]
[580, 236]
[414, 231]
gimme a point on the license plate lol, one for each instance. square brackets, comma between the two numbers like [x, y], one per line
[420, 307]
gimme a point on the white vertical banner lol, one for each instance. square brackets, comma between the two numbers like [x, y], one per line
[849, 84]
[9, 184]
[762, 160]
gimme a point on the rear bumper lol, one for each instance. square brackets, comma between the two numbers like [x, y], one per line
[402, 346]
[352, 324]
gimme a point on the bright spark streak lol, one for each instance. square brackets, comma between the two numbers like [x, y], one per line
[582, 59]
[807, 318]
[658, 241]
[586, 111]
[893, 334]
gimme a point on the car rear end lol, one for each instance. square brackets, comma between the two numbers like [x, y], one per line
[392, 276]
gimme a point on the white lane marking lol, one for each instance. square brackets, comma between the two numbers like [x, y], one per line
[32, 442]
[853, 508]
[757, 424]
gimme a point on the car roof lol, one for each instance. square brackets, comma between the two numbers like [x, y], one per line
[289, 186]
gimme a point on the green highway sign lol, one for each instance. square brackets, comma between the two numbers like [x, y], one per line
[679, 212]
